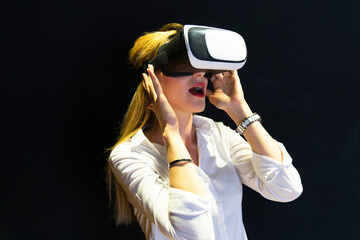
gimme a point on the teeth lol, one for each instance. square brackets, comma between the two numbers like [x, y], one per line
[198, 88]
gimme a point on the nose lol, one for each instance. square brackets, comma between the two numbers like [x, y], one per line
[199, 74]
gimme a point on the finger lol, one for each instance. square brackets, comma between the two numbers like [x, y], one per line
[227, 74]
[150, 107]
[213, 77]
[145, 84]
[234, 73]
[210, 95]
[209, 92]
[155, 81]
[150, 88]
[218, 75]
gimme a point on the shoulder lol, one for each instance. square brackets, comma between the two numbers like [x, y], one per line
[138, 152]
[132, 148]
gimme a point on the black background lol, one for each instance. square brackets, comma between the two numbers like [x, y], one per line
[66, 82]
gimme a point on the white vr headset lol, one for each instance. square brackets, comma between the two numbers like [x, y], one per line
[199, 48]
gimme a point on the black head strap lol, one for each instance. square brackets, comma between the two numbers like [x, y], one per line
[169, 51]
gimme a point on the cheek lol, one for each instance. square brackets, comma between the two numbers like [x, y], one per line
[174, 91]
[172, 87]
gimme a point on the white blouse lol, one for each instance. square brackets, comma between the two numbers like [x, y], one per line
[226, 161]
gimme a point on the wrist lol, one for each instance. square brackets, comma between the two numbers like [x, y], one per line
[175, 147]
[170, 134]
[238, 111]
[171, 129]
[247, 122]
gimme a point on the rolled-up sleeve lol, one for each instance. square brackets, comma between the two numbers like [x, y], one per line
[275, 180]
[177, 213]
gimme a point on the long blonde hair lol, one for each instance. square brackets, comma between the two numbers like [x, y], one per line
[137, 115]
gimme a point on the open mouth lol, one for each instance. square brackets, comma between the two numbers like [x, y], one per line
[198, 90]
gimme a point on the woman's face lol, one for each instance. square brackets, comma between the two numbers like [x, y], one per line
[185, 94]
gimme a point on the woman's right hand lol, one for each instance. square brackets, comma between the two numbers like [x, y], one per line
[159, 103]
[181, 176]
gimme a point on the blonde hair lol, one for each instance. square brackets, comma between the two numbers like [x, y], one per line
[137, 115]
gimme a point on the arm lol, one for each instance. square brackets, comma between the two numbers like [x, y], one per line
[262, 163]
[187, 205]
[259, 139]
[184, 175]
[229, 96]
[274, 180]
[175, 212]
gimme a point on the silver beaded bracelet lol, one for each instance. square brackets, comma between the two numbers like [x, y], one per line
[247, 122]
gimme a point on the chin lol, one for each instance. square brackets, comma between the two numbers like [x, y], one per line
[190, 107]
[199, 109]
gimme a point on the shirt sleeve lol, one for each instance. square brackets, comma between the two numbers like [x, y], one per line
[178, 214]
[274, 180]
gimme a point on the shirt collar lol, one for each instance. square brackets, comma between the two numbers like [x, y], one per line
[203, 124]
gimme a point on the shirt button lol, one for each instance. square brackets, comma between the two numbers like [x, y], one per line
[206, 180]
[218, 203]
[222, 227]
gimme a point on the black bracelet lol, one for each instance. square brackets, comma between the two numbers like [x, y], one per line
[179, 160]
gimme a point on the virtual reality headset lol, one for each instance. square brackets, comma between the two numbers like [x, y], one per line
[200, 49]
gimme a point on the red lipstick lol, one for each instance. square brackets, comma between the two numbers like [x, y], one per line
[198, 90]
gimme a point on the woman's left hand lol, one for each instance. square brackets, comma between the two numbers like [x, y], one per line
[229, 96]
[228, 91]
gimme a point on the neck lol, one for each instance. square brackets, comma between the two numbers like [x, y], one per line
[186, 130]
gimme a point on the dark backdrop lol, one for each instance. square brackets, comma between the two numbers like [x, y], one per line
[66, 82]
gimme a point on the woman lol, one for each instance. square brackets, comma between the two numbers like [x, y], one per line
[180, 174]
